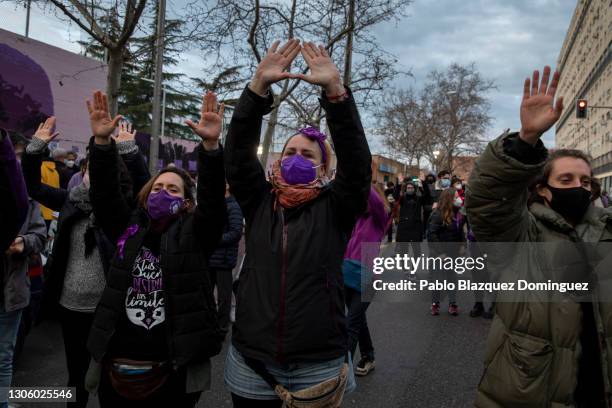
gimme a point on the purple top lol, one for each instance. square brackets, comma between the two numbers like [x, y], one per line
[75, 180]
[369, 228]
[12, 170]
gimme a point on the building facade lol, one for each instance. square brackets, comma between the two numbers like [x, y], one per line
[385, 169]
[586, 73]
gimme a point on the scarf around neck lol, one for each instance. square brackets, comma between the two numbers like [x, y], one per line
[291, 196]
[79, 197]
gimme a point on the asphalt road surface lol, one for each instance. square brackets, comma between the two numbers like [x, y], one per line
[421, 360]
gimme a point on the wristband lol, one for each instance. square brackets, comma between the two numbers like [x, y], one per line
[337, 97]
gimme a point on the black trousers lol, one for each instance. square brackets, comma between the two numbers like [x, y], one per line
[358, 332]
[222, 278]
[241, 402]
[171, 395]
[75, 330]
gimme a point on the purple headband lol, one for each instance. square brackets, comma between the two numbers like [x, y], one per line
[315, 134]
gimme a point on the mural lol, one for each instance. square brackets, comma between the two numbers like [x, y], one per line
[25, 92]
[38, 80]
[178, 152]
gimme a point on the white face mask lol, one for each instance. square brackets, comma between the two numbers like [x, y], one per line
[458, 186]
[70, 163]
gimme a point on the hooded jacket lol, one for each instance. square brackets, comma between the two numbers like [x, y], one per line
[534, 348]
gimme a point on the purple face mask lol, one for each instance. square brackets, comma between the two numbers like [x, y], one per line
[298, 170]
[163, 205]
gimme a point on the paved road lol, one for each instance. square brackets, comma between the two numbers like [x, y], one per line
[421, 361]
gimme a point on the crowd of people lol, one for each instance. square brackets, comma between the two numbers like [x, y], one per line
[139, 272]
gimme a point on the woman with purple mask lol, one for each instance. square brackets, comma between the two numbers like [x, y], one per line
[290, 335]
[155, 327]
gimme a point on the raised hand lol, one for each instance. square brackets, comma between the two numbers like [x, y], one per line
[538, 113]
[323, 71]
[45, 130]
[272, 67]
[17, 247]
[211, 120]
[126, 133]
[102, 126]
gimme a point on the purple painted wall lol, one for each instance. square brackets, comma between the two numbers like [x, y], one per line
[38, 80]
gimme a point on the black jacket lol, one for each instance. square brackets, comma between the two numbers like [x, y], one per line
[290, 305]
[226, 254]
[440, 232]
[193, 334]
[410, 224]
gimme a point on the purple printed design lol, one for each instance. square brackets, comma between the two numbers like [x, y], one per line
[144, 303]
[129, 232]
[25, 92]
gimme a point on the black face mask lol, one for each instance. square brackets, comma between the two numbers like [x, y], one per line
[571, 203]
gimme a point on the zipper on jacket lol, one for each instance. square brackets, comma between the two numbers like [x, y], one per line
[167, 303]
[281, 318]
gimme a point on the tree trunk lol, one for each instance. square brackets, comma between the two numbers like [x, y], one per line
[267, 142]
[113, 79]
[348, 53]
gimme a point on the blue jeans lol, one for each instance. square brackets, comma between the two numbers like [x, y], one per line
[244, 382]
[9, 326]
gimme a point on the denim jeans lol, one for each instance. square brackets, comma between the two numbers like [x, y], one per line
[9, 326]
[241, 380]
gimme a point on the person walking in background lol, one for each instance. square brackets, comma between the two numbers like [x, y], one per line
[370, 229]
[156, 326]
[390, 194]
[446, 225]
[410, 215]
[224, 259]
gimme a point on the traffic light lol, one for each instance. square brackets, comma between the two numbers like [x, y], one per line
[581, 108]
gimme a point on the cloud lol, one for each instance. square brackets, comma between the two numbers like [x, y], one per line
[506, 40]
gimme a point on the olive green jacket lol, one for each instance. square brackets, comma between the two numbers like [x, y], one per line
[533, 348]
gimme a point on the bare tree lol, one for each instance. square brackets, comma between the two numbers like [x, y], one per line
[121, 18]
[447, 118]
[459, 111]
[239, 31]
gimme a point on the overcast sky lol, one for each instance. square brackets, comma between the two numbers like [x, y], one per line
[506, 39]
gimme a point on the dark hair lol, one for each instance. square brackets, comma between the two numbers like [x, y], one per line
[443, 173]
[446, 205]
[188, 185]
[390, 184]
[542, 178]
[84, 163]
